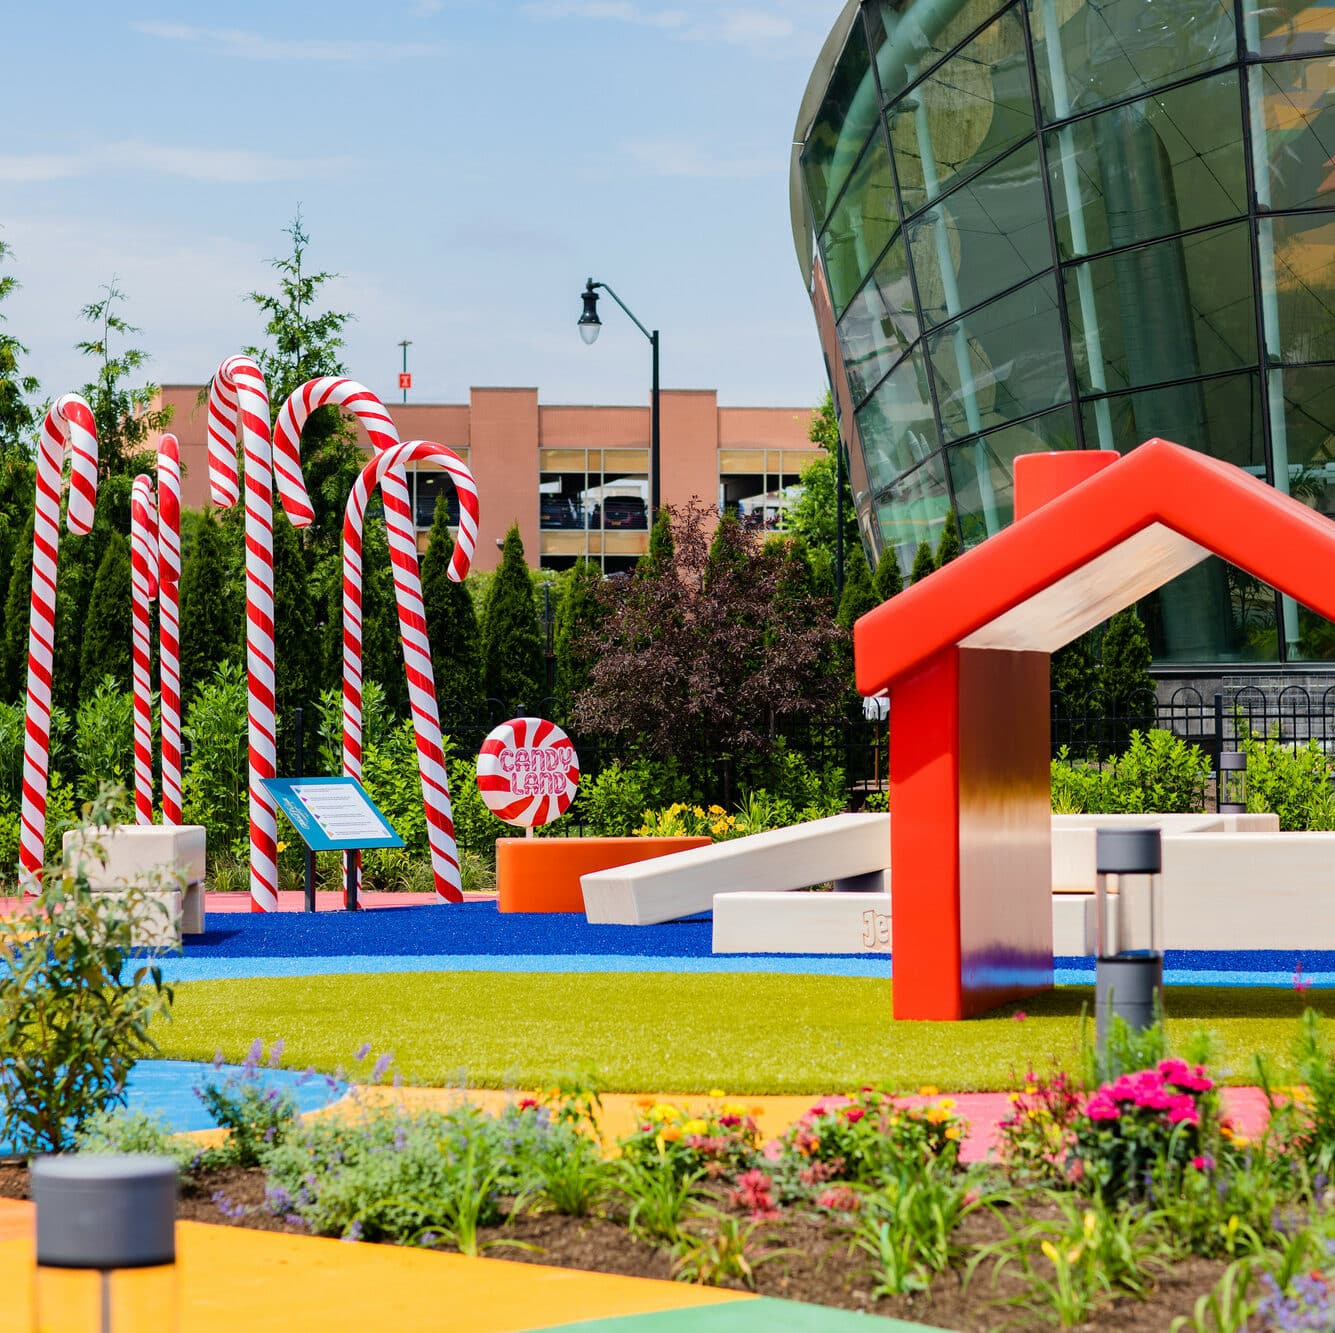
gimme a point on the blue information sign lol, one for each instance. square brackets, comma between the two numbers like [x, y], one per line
[333, 814]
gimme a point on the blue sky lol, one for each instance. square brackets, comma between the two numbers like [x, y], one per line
[462, 165]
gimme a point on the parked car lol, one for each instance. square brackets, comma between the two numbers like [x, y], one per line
[625, 511]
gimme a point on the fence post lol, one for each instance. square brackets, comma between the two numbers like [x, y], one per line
[1218, 750]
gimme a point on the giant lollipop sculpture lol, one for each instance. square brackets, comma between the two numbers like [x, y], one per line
[67, 430]
[416, 648]
[239, 404]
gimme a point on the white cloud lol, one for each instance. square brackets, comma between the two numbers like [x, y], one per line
[668, 156]
[221, 166]
[618, 11]
[247, 45]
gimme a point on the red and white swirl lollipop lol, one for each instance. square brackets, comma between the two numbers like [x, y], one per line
[527, 772]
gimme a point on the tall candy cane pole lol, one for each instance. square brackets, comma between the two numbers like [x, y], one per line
[379, 425]
[68, 428]
[143, 589]
[239, 403]
[416, 648]
[169, 622]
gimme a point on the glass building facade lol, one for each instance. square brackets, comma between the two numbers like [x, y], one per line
[1060, 224]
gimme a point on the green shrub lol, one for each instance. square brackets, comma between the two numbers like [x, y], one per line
[72, 1023]
[217, 776]
[614, 804]
[120, 1131]
[391, 778]
[256, 1117]
[1157, 772]
[1294, 784]
[104, 738]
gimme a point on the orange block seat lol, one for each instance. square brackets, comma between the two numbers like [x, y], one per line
[542, 874]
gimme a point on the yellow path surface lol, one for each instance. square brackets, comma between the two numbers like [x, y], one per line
[259, 1281]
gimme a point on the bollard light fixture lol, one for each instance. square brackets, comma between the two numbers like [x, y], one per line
[1128, 968]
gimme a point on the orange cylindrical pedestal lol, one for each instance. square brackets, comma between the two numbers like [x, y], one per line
[542, 874]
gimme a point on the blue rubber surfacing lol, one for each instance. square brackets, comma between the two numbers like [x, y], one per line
[477, 937]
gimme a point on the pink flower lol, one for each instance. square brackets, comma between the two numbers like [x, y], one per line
[854, 1114]
[1102, 1108]
[840, 1199]
[730, 1121]
[1019, 1016]
[1180, 1115]
[1203, 1163]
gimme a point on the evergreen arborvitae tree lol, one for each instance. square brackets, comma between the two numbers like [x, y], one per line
[515, 663]
[451, 625]
[887, 581]
[659, 554]
[821, 564]
[949, 545]
[859, 597]
[296, 641]
[1124, 675]
[728, 549]
[382, 649]
[924, 563]
[578, 617]
[18, 602]
[106, 627]
[210, 629]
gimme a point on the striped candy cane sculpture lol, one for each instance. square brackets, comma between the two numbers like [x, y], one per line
[143, 589]
[416, 648]
[169, 622]
[239, 404]
[379, 425]
[68, 429]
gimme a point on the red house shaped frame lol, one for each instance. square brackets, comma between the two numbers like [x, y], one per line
[965, 656]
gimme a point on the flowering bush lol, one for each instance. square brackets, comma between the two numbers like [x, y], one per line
[255, 1117]
[722, 1141]
[1139, 1120]
[1039, 1134]
[690, 821]
[863, 1139]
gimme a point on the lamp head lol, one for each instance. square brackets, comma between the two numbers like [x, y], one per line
[589, 324]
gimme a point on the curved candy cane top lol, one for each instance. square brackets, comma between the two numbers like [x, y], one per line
[69, 424]
[412, 451]
[169, 510]
[237, 394]
[527, 772]
[341, 392]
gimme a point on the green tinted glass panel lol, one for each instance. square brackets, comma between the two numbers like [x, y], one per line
[1172, 310]
[1003, 361]
[896, 424]
[1212, 613]
[1298, 264]
[1164, 164]
[971, 110]
[980, 470]
[879, 325]
[846, 118]
[914, 511]
[1308, 437]
[1288, 27]
[1091, 53]
[1295, 165]
[862, 223]
[1221, 418]
[906, 38]
[989, 234]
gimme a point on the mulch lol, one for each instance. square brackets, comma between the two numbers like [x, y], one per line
[812, 1259]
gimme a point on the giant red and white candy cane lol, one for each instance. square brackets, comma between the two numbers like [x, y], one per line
[416, 647]
[239, 405]
[143, 589]
[289, 422]
[169, 622]
[68, 429]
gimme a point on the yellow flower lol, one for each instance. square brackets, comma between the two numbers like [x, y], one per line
[1031, 1088]
[1091, 1222]
[1049, 1251]
[664, 1112]
[936, 1115]
[953, 1132]
[946, 1103]
[695, 1126]
[716, 1093]
[1013, 1096]
[929, 1090]
[282, 846]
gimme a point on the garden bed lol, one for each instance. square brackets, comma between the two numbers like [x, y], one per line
[813, 1259]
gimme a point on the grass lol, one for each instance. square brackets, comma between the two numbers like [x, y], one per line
[667, 1032]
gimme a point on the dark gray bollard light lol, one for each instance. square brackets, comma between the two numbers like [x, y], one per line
[1128, 979]
[1231, 783]
[106, 1242]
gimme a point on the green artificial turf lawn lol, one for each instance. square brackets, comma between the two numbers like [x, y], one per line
[671, 1032]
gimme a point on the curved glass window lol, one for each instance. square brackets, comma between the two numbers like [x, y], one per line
[986, 236]
[1303, 256]
[880, 324]
[1088, 54]
[970, 110]
[1164, 164]
[847, 116]
[1173, 310]
[863, 221]
[914, 510]
[1287, 27]
[909, 38]
[1296, 161]
[896, 423]
[1000, 362]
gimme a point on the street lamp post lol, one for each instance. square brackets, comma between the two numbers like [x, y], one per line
[589, 328]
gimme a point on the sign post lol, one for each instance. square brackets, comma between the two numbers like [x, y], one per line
[332, 815]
